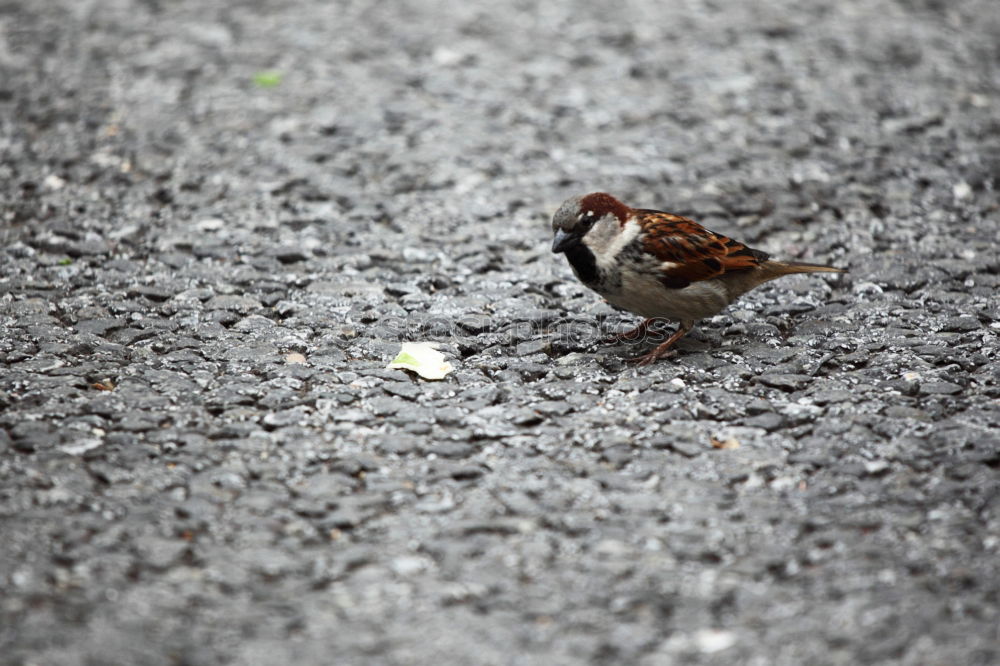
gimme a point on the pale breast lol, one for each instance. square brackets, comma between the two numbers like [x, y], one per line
[627, 278]
[644, 295]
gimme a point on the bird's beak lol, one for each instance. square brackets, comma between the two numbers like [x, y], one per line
[563, 241]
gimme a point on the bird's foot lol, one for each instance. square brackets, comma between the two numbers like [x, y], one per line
[664, 349]
[652, 357]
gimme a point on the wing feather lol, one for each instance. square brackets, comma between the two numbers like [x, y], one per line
[690, 252]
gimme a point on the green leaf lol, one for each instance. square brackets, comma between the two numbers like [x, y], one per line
[268, 78]
[66, 261]
[406, 359]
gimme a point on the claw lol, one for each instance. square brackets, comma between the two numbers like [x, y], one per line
[663, 350]
[651, 357]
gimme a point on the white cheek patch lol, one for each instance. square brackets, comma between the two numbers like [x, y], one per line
[614, 241]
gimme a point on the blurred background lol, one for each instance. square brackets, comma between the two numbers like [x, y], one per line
[356, 113]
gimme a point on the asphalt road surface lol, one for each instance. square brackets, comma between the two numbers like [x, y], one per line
[220, 220]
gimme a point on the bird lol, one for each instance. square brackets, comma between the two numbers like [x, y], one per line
[660, 265]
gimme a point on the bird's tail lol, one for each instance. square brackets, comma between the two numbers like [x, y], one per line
[740, 282]
[776, 269]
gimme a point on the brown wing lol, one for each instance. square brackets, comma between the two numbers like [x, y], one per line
[698, 254]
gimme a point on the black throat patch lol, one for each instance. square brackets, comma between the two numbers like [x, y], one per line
[583, 262]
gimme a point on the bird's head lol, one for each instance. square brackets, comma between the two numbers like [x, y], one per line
[596, 217]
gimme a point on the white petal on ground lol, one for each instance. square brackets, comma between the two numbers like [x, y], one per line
[710, 641]
[423, 359]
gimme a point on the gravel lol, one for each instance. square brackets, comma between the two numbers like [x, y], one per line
[204, 272]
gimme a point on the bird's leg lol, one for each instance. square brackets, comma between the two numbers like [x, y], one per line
[634, 334]
[663, 349]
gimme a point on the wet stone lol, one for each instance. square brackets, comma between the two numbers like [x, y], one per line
[540, 316]
[155, 294]
[417, 428]
[452, 449]
[816, 458]
[400, 445]
[552, 407]
[383, 406]
[285, 418]
[529, 371]
[289, 254]
[940, 388]
[905, 387]
[406, 390]
[831, 397]
[476, 324]
[318, 493]
[139, 421]
[530, 347]
[351, 512]
[906, 412]
[524, 417]
[160, 553]
[449, 416]
[785, 382]
[769, 422]
[493, 431]
[681, 441]
[99, 326]
[31, 436]
[233, 302]
[618, 456]
[465, 472]
[130, 336]
[86, 248]
[758, 406]
[962, 324]
[224, 317]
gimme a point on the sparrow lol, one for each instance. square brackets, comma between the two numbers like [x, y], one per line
[660, 265]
